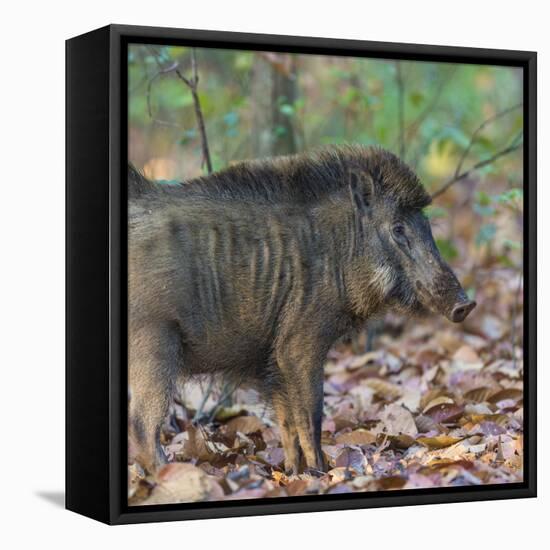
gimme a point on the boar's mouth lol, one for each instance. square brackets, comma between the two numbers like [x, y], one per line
[450, 301]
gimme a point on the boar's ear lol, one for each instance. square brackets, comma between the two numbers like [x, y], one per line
[361, 189]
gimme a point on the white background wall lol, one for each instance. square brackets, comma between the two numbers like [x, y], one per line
[32, 272]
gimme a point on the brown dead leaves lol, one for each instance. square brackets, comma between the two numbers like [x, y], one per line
[436, 406]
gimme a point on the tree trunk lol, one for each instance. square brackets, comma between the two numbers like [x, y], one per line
[283, 95]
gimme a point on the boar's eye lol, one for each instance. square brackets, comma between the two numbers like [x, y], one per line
[398, 230]
[399, 235]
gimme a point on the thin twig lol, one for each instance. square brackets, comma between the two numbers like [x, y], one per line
[479, 129]
[518, 138]
[160, 72]
[226, 392]
[475, 167]
[192, 84]
[139, 84]
[199, 412]
[458, 175]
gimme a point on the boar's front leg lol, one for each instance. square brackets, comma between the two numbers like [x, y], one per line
[154, 361]
[302, 370]
[289, 434]
[307, 409]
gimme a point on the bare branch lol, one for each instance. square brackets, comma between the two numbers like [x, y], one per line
[479, 129]
[200, 409]
[188, 82]
[160, 72]
[227, 390]
[192, 84]
[514, 145]
[477, 166]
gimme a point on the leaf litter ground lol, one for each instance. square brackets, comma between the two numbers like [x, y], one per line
[434, 405]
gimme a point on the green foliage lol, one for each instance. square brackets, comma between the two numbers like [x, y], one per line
[243, 61]
[512, 197]
[433, 212]
[483, 198]
[286, 109]
[483, 206]
[514, 245]
[447, 249]
[231, 121]
[453, 135]
[471, 293]
[486, 234]
[187, 136]
[339, 100]
[417, 98]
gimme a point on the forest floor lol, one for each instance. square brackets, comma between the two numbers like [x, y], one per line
[434, 405]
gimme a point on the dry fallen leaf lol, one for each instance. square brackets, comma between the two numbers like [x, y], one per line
[199, 446]
[244, 424]
[466, 358]
[442, 399]
[426, 424]
[493, 328]
[383, 388]
[361, 360]
[356, 437]
[445, 412]
[439, 441]
[478, 394]
[179, 482]
[401, 441]
[351, 459]
[506, 394]
[449, 414]
[398, 420]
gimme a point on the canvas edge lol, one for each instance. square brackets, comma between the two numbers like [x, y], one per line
[117, 511]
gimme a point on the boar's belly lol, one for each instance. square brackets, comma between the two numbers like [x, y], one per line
[246, 355]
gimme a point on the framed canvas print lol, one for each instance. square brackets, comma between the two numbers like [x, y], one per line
[300, 274]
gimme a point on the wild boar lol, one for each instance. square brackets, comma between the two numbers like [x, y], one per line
[255, 271]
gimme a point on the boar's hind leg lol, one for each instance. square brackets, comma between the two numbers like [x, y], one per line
[154, 358]
[289, 434]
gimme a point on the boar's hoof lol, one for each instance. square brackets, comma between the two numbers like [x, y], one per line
[461, 310]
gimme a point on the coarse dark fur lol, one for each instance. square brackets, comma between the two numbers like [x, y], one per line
[255, 271]
[298, 179]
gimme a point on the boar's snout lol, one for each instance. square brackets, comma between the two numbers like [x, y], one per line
[443, 293]
[460, 311]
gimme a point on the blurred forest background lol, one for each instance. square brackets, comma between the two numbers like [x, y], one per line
[410, 403]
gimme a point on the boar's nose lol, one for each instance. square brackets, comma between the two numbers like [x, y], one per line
[461, 310]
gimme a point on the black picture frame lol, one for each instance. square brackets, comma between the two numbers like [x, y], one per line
[96, 272]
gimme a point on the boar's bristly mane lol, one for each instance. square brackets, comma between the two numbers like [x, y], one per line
[138, 184]
[301, 179]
